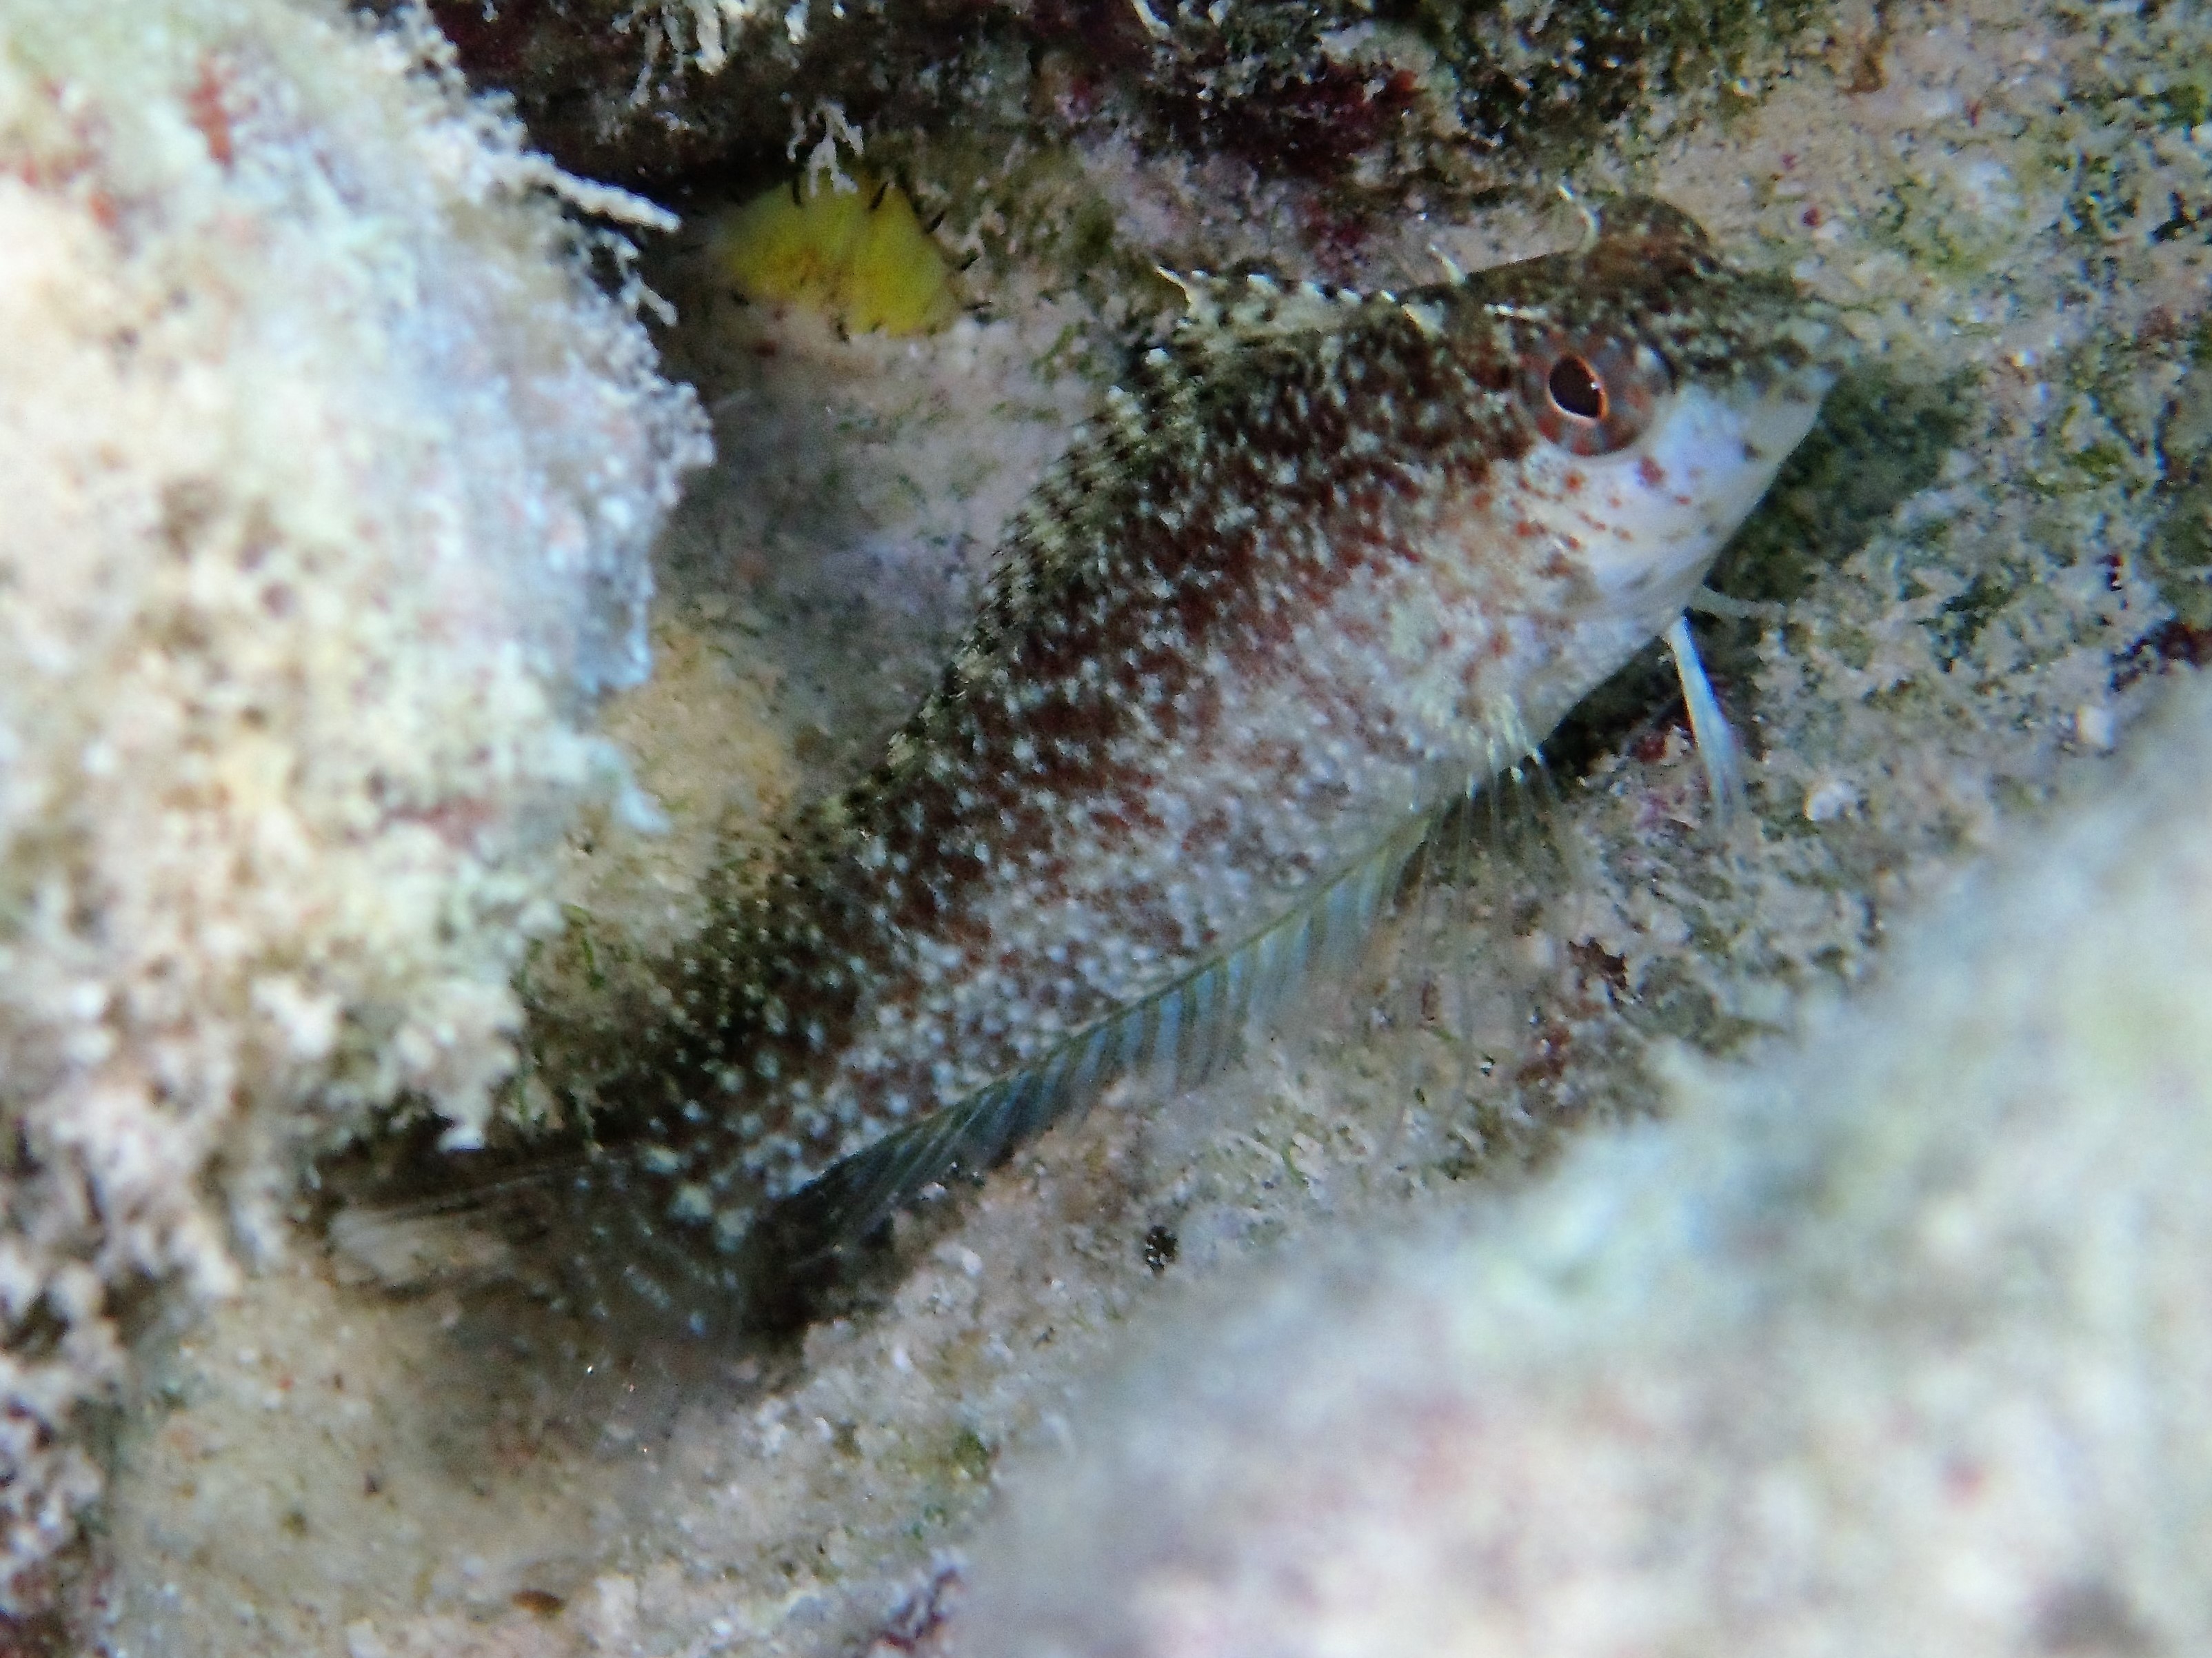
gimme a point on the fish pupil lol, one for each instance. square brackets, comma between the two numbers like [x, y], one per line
[1576, 389]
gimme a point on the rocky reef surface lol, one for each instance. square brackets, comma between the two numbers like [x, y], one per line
[1983, 567]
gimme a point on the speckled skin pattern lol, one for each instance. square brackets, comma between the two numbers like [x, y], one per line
[1326, 562]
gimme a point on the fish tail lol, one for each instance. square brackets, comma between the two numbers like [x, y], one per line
[582, 1232]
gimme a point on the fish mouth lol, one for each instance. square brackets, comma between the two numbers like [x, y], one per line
[1784, 405]
[1810, 351]
[1685, 488]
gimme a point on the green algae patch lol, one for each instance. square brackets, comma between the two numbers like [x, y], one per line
[1880, 439]
[2177, 555]
[852, 249]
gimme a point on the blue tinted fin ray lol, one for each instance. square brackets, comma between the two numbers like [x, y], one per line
[1186, 1032]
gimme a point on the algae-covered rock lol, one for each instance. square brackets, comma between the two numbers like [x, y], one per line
[1456, 95]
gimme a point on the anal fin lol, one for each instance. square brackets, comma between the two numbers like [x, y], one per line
[1186, 1031]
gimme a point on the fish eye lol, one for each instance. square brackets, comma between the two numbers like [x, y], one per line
[1576, 389]
[1595, 396]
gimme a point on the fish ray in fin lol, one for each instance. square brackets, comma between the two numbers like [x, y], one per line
[1717, 750]
[1185, 1032]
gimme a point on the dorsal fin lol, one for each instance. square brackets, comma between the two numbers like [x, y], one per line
[1221, 311]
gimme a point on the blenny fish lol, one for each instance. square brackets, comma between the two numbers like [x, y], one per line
[1327, 564]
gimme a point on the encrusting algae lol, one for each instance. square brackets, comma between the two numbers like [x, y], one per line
[1329, 563]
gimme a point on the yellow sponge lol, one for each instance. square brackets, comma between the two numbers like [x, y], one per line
[858, 256]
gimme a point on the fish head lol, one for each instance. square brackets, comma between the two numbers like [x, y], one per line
[1648, 392]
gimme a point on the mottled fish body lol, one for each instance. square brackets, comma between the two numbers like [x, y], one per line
[1328, 561]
